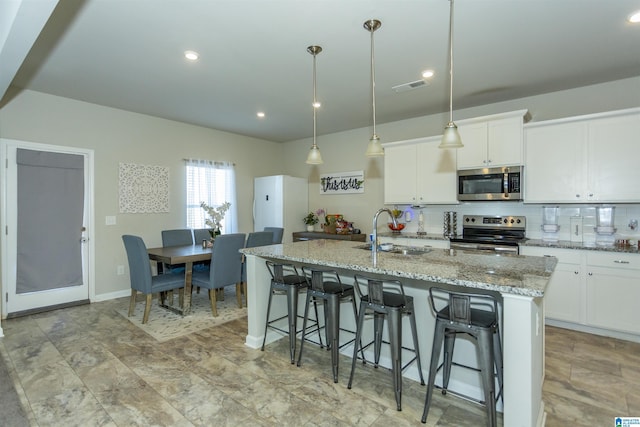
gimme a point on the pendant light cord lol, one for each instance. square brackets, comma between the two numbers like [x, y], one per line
[315, 102]
[450, 61]
[373, 82]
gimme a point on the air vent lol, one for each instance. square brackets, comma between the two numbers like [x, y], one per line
[410, 86]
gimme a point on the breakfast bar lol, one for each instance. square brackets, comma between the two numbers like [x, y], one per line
[518, 281]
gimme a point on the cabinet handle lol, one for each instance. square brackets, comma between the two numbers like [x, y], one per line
[619, 261]
[590, 194]
[576, 272]
[590, 274]
[577, 196]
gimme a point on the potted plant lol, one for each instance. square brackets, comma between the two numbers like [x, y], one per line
[310, 220]
[216, 215]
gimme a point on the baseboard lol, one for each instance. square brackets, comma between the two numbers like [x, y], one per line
[593, 330]
[112, 295]
[45, 309]
[542, 416]
[253, 342]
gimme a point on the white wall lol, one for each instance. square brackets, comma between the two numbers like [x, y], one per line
[344, 151]
[120, 136]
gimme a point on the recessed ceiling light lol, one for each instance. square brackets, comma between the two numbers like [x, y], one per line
[634, 18]
[260, 114]
[191, 55]
[316, 104]
[427, 74]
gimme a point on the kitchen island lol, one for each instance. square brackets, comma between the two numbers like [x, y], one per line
[518, 281]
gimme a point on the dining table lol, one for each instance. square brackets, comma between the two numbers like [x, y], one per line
[187, 255]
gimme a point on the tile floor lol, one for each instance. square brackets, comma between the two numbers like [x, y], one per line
[88, 366]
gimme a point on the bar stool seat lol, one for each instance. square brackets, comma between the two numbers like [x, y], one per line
[325, 286]
[285, 280]
[475, 315]
[386, 300]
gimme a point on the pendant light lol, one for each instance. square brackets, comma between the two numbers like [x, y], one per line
[314, 157]
[451, 137]
[374, 149]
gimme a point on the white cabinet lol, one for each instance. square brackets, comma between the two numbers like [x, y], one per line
[555, 163]
[614, 158]
[417, 172]
[564, 294]
[491, 141]
[613, 291]
[596, 289]
[588, 159]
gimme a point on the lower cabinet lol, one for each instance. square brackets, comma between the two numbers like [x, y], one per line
[593, 288]
[563, 298]
[613, 291]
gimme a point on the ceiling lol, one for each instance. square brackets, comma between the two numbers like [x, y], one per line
[128, 54]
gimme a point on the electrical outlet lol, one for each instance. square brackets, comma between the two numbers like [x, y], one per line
[120, 270]
[110, 220]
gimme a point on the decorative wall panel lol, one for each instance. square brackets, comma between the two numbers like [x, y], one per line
[143, 188]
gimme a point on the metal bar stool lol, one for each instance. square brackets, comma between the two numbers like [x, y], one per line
[477, 316]
[325, 286]
[386, 299]
[285, 280]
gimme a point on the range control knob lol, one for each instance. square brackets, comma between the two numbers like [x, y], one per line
[505, 220]
[518, 221]
[512, 221]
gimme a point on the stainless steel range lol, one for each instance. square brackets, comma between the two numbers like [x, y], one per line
[491, 233]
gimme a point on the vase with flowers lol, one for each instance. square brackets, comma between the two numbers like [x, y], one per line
[310, 220]
[216, 215]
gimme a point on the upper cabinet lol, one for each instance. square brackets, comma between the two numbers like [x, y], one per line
[417, 172]
[584, 159]
[491, 141]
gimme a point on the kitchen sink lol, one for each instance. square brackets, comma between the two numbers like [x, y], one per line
[400, 250]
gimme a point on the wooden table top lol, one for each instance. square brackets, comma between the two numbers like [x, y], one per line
[180, 254]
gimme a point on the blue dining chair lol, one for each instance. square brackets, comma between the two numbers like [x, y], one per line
[277, 234]
[257, 238]
[141, 278]
[178, 237]
[226, 268]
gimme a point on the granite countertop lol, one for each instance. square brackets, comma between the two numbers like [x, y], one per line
[566, 244]
[560, 244]
[511, 274]
[428, 236]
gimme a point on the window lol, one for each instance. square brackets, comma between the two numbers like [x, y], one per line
[213, 183]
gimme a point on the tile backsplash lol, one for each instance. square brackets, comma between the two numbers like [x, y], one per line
[569, 217]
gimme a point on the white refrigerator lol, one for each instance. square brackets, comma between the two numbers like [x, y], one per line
[280, 201]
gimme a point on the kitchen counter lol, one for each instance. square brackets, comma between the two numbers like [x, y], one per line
[428, 236]
[560, 244]
[566, 244]
[514, 274]
[518, 281]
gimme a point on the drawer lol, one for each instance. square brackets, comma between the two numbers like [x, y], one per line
[614, 259]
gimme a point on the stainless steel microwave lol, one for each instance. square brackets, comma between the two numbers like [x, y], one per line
[490, 184]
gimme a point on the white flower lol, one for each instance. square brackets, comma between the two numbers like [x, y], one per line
[216, 214]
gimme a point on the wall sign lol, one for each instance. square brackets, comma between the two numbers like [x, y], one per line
[342, 183]
[143, 188]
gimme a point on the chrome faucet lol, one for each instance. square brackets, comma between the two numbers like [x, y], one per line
[374, 239]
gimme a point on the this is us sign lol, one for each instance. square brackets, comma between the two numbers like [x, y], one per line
[342, 183]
